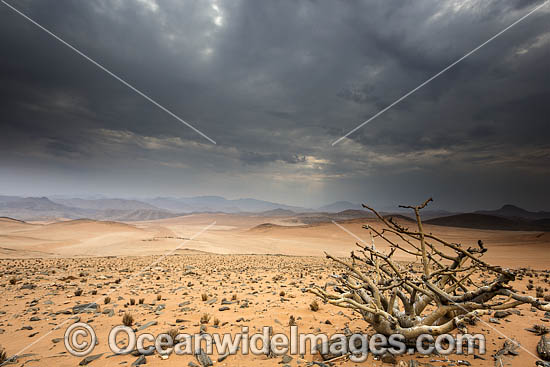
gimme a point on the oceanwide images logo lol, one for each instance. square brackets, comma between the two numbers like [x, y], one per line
[81, 339]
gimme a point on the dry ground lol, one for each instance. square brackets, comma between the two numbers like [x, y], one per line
[48, 262]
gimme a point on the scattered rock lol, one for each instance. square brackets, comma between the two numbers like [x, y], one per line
[89, 359]
[86, 307]
[543, 347]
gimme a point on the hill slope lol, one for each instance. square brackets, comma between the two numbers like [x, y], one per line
[493, 222]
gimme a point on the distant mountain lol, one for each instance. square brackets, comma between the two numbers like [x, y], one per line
[339, 206]
[135, 215]
[32, 203]
[485, 221]
[42, 208]
[278, 213]
[33, 208]
[217, 204]
[105, 204]
[512, 211]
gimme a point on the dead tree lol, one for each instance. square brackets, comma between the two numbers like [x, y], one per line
[433, 295]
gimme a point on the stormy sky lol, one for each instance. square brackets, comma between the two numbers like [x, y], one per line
[274, 83]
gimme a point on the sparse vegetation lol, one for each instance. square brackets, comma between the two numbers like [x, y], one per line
[107, 300]
[132, 301]
[205, 318]
[204, 297]
[159, 297]
[141, 301]
[78, 292]
[292, 321]
[173, 334]
[393, 297]
[314, 306]
[128, 319]
[3, 355]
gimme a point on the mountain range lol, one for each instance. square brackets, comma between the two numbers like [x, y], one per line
[43, 208]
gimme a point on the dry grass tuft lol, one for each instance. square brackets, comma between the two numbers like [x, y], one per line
[3, 355]
[314, 306]
[128, 319]
[173, 333]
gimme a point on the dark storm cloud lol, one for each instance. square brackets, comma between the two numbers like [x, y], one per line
[274, 83]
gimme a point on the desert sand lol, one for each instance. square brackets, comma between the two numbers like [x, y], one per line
[244, 270]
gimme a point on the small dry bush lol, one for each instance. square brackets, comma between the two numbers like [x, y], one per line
[205, 318]
[314, 306]
[128, 319]
[292, 321]
[3, 355]
[173, 333]
[107, 300]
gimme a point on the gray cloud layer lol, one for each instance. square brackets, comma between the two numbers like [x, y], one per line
[274, 83]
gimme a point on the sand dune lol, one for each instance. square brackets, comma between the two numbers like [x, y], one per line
[244, 234]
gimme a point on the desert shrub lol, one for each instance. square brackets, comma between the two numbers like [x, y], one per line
[107, 300]
[216, 321]
[159, 297]
[204, 297]
[397, 298]
[173, 333]
[292, 321]
[128, 319]
[141, 300]
[205, 318]
[314, 306]
[78, 292]
[234, 297]
[282, 293]
[3, 355]
[132, 301]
